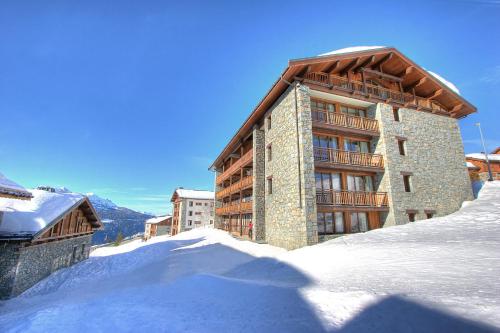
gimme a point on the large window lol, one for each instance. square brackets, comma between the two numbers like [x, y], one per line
[321, 109]
[352, 111]
[359, 183]
[325, 141]
[328, 181]
[359, 222]
[354, 145]
[331, 223]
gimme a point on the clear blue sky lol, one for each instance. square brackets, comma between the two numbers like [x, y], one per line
[130, 99]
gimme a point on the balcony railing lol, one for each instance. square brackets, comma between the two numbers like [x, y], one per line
[242, 207]
[344, 120]
[352, 198]
[245, 159]
[244, 183]
[353, 158]
[369, 90]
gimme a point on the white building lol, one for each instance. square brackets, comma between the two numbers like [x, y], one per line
[192, 209]
[157, 226]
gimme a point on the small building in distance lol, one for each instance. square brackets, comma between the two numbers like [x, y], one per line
[40, 235]
[478, 169]
[192, 209]
[157, 226]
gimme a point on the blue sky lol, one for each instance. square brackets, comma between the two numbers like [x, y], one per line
[130, 99]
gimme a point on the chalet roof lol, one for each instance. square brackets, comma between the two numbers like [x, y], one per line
[8, 188]
[28, 219]
[393, 62]
[470, 165]
[193, 194]
[481, 156]
[158, 219]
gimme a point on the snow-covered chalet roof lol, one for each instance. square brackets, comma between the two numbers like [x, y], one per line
[480, 156]
[158, 219]
[470, 165]
[193, 194]
[29, 217]
[10, 188]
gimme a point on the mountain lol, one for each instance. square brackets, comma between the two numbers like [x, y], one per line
[116, 219]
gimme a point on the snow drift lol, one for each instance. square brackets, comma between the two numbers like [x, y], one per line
[438, 275]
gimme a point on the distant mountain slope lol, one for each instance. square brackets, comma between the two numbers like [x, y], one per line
[116, 219]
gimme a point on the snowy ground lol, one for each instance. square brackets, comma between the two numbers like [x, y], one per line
[439, 275]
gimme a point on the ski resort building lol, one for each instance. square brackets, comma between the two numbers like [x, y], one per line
[11, 189]
[353, 140]
[157, 226]
[40, 235]
[191, 209]
[478, 168]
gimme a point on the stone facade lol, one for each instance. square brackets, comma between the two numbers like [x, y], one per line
[290, 211]
[259, 184]
[22, 267]
[434, 160]
[205, 218]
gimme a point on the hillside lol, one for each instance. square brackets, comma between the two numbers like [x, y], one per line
[116, 219]
[438, 275]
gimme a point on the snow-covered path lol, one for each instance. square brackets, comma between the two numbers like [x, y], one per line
[439, 275]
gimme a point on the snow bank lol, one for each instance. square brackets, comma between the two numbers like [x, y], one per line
[437, 275]
[352, 49]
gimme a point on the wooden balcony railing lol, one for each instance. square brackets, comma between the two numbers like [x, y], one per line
[352, 198]
[243, 207]
[335, 156]
[344, 120]
[244, 183]
[372, 91]
[245, 159]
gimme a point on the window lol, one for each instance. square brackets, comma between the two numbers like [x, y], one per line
[330, 223]
[321, 111]
[429, 215]
[206, 204]
[359, 183]
[359, 222]
[190, 213]
[197, 213]
[83, 249]
[269, 123]
[325, 141]
[190, 222]
[211, 221]
[411, 217]
[270, 185]
[352, 111]
[401, 146]
[355, 145]
[395, 112]
[190, 204]
[211, 204]
[198, 204]
[407, 183]
[269, 152]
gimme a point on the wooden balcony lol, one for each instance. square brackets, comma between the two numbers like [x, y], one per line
[348, 159]
[352, 199]
[361, 125]
[235, 208]
[243, 161]
[236, 187]
[371, 92]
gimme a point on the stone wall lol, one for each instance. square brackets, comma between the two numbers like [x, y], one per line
[259, 183]
[434, 159]
[22, 267]
[290, 211]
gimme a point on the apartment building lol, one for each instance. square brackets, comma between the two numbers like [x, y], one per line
[191, 209]
[353, 140]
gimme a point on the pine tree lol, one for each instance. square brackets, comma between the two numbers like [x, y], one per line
[119, 238]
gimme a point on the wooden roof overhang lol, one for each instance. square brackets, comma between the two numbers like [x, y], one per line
[387, 63]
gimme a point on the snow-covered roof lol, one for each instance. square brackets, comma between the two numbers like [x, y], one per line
[28, 217]
[8, 187]
[158, 219]
[445, 82]
[481, 156]
[352, 49]
[195, 194]
[470, 165]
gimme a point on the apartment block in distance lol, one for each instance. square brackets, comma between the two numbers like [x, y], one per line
[191, 209]
[353, 140]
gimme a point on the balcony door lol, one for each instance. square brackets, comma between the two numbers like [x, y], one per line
[325, 184]
[322, 144]
[352, 111]
[359, 222]
[356, 146]
[359, 183]
[321, 110]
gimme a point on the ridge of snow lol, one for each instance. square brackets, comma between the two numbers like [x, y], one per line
[352, 49]
[195, 194]
[445, 82]
[7, 185]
